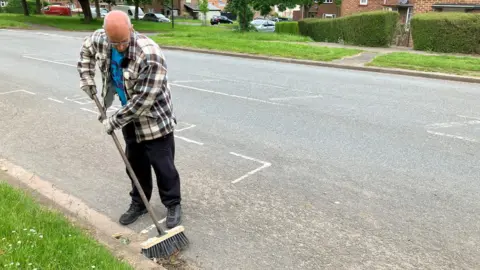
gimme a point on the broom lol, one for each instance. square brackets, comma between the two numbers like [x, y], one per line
[166, 243]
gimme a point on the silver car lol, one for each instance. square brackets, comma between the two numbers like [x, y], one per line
[155, 17]
[263, 25]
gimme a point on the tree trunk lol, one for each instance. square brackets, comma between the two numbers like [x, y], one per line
[97, 8]
[137, 2]
[25, 8]
[38, 7]
[87, 12]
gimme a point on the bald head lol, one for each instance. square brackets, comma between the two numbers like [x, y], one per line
[118, 27]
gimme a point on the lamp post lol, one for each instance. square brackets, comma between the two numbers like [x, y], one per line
[172, 14]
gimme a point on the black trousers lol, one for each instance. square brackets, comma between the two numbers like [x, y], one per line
[159, 154]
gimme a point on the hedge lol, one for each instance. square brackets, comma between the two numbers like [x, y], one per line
[446, 32]
[375, 28]
[286, 28]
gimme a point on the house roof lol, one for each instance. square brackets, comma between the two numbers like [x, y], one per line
[196, 8]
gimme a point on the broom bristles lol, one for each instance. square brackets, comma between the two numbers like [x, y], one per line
[165, 245]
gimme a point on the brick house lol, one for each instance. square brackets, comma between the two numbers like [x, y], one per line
[221, 4]
[407, 8]
[322, 9]
[180, 7]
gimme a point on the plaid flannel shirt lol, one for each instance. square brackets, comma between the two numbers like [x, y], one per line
[145, 78]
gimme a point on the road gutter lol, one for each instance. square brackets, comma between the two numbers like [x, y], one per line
[429, 75]
[99, 226]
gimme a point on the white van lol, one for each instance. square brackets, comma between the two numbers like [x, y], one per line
[130, 10]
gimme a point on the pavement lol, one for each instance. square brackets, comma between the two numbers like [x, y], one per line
[283, 166]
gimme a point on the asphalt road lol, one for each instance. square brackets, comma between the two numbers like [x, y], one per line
[350, 170]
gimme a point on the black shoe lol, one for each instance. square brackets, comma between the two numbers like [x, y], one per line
[132, 214]
[174, 216]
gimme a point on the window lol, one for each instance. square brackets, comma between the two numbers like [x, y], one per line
[327, 1]
[363, 2]
[329, 16]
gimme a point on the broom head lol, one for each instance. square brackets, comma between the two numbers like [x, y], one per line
[165, 245]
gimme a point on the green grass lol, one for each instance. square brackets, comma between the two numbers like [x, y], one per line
[35, 238]
[12, 24]
[469, 66]
[269, 44]
[75, 23]
[221, 38]
[278, 49]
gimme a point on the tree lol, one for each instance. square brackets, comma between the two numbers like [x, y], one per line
[25, 8]
[203, 7]
[137, 3]
[243, 10]
[38, 7]
[97, 9]
[87, 11]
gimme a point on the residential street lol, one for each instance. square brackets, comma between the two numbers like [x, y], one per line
[283, 166]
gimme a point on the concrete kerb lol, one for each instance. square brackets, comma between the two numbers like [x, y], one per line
[98, 225]
[429, 75]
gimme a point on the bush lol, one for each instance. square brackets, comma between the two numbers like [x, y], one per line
[446, 32]
[305, 26]
[375, 29]
[15, 6]
[286, 28]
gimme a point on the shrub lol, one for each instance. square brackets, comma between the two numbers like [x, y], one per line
[15, 6]
[446, 32]
[305, 27]
[286, 28]
[374, 28]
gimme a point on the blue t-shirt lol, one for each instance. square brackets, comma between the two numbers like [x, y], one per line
[117, 75]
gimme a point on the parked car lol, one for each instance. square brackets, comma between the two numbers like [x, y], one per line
[220, 19]
[263, 25]
[130, 10]
[103, 12]
[155, 17]
[57, 10]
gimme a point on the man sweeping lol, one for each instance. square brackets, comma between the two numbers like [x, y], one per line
[133, 67]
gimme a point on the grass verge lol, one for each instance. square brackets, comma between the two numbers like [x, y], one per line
[75, 23]
[12, 24]
[465, 65]
[221, 38]
[36, 238]
[278, 45]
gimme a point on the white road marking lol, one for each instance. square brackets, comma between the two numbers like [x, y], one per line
[453, 124]
[57, 35]
[114, 108]
[17, 91]
[188, 140]
[452, 136]
[255, 83]
[49, 61]
[65, 60]
[185, 128]
[76, 100]
[149, 228]
[225, 94]
[469, 117]
[193, 81]
[55, 100]
[264, 165]
[88, 110]
[301, 97]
